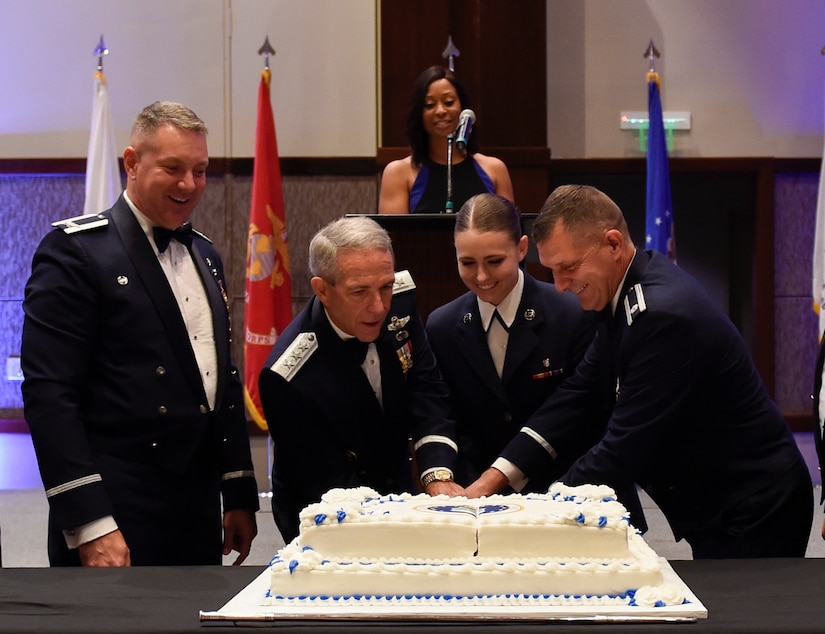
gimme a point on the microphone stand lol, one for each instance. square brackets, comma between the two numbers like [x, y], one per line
[448, 207]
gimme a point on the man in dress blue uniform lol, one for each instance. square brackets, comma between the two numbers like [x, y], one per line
[134, 406]
[352, 379]
[691, 421]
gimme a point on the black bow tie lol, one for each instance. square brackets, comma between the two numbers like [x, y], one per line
[182, 234]
[357, 349]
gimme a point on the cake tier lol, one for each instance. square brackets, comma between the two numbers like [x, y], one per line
[303, 572]
[573, 542]
[395, 526]
[524, 527]
[350, 524]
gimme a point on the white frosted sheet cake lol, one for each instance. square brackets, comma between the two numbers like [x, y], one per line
[570, 547]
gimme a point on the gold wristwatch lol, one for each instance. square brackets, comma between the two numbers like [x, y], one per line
[441, 475]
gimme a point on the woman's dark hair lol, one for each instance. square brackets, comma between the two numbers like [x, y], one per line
[419, 139]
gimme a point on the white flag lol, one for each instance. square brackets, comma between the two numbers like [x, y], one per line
[103, 184]
[818, 287]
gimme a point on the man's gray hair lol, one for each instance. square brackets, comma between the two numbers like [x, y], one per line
[354, 233]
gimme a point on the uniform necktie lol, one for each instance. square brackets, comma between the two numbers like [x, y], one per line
[497, 316]
[497, 336]
[163, 236]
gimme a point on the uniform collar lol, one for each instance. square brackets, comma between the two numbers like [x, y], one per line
[143, 221]
[507, 308]
[615, 301]
[343, 335]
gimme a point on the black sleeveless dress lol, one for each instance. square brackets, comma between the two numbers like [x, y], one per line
[429, 191]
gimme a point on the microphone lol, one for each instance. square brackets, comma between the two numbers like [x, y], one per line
[465, 126]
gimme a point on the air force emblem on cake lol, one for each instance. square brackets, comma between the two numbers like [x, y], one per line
[451, 508]
[81, 223]
[634, 303]
[403, 282]
[470, 509]
[296, 355]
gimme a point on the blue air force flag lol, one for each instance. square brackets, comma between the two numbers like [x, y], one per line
[659, 210]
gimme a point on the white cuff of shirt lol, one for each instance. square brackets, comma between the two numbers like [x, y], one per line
[89, 532]
[514, 475]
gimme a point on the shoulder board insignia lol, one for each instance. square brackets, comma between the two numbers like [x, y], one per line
[634, 303]
[81, 223]
[205, 237]
[403, 282]
[296, 355]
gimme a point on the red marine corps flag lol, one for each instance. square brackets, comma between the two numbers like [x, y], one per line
[268, 297]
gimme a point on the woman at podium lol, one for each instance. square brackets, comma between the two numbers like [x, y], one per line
[418, 183]
[505, 345]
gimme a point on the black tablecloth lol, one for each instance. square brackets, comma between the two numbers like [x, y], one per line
[748, 596]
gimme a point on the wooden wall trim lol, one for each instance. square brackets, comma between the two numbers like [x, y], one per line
[683, 165]
[512, 156]
[800, 423]
[797, 165]
[307, 166]
[45, 166]
[218, 166]
[367, 165]
[12, 422]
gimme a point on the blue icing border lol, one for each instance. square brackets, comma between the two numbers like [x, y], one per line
[629, 597]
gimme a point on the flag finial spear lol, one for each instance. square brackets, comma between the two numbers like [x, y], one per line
[100, 51]
[450, 53]
[266, 50]
[651, 53]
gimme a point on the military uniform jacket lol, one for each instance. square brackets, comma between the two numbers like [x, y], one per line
[547, 340]
[691, 422]
[327, 426]
[110, 376]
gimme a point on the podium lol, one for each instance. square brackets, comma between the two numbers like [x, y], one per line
[423, 244]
